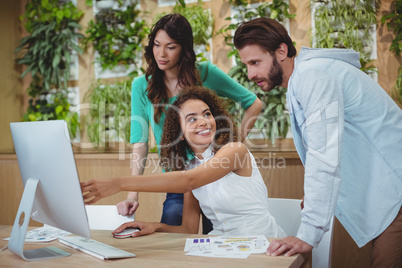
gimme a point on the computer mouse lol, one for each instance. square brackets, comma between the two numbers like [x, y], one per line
[126, 233]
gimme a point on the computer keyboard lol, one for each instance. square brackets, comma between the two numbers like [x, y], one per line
[95, 248]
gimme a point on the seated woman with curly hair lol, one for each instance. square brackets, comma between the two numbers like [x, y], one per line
[214, 171]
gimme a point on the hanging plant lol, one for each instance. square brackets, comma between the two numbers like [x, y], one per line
[110, 108]
[393, 20]
[396, 91]
[274, 119]
[117, 36]
[200, 20]
[346, 24]
[54, 106]
[394, 23]
[46, 52]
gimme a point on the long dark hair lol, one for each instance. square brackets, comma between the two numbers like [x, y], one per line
[174, 150]
[265, 32]
[179, 29]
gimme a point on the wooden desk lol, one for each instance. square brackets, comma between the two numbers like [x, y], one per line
[156, 250]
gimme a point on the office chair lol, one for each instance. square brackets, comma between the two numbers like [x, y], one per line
[105, 217]
[287, 215]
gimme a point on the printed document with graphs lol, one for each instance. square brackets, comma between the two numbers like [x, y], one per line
[226, 246]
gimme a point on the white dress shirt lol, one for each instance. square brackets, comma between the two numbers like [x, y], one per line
[236, 205]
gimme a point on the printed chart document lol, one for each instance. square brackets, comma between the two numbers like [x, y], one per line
[46, 233]
[226, 246]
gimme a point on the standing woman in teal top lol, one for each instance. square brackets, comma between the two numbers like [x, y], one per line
[172, 66]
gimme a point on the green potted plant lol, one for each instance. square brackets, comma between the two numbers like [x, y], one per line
[345, 24]
[273, 121]
[396, 91]
[117, 35]
[46, 52]
[110, 108]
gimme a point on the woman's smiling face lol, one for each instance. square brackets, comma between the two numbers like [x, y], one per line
[198, 124]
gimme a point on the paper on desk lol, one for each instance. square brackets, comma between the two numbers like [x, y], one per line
[226, 246]
[253, 244]
[44, 234]
[202, 247]
[233, 255]
[197, 244]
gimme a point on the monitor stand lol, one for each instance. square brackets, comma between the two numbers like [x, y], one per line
[17, 238]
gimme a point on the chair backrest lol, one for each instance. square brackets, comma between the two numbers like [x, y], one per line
[288, 216]
[287, 213]
[105, 217]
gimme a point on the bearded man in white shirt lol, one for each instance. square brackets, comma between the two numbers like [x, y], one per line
[348, 133]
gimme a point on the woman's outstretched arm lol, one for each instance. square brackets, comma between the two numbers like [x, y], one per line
[231, 157]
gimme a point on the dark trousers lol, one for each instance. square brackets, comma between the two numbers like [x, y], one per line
[387, 247]
[173, 212]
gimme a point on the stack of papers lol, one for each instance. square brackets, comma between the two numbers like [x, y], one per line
[226, 246]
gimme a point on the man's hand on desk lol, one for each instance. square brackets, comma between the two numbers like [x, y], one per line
[289, 246]
[145, 227]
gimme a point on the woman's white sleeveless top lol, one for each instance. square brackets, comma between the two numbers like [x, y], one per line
[237, 205]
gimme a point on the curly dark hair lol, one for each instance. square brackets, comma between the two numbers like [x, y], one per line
[174, 149]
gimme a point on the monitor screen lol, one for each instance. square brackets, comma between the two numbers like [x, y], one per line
[44, 152]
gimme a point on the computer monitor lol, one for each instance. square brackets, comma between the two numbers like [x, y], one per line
[52, 193]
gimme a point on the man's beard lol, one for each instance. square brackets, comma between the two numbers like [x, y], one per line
[275, 76]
